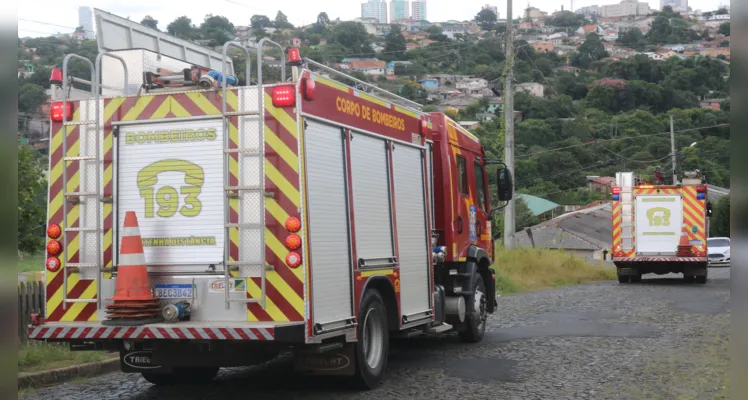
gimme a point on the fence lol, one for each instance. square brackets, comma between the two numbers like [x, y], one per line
[30, 301]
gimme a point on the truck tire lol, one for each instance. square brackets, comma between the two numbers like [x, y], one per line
[636, 278]
[623, 278]
[373, 343]
[182, 376]
[688, 278]
[475, 319]
[702, 279]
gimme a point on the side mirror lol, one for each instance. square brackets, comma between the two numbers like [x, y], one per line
[505, 184]
[708, 208]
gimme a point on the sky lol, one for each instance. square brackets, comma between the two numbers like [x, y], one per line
[53, 16]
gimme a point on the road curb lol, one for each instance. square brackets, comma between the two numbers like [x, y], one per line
[59, 375]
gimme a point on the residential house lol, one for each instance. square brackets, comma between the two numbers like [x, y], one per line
[390, 70]
[712, 104]
[296, 42]
[448, 79]
[667, 54]
[532, 88]
[429, 84]
[600, 184]
[543, 47]
[570, 68]
[722, 51]
[675, 47]
[535, 13]
[540, 207]
[587, 29]
[469, 124]
[531, 24]
[367, 66]
[585, 233]
[655, 56]
[471, 85]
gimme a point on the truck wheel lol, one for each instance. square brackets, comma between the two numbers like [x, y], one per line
[182, 376]
[636, 278]
[688, 278]
[623, 278]
[373, 341]
[701, 279]
[475, 319]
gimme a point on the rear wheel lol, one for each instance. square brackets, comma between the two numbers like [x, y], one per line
[623, 278]
[475, 319]
[688, 278]
[701, 279]
[182, 376]
[373, 341]
[636, 278]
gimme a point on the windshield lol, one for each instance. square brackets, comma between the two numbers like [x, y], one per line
[718, 243]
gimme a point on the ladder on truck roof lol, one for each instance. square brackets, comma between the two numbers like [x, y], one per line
[89, 195]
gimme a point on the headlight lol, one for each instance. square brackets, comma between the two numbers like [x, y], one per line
[727, 253]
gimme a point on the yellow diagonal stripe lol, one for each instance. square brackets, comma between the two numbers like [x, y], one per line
[281, 149]
[280, 251]
[74, 309]
[273, 311]
[286, 291]
[140, 104]
[201, 101]
[162, 110]
[331, 83]
[112, 107]
[281, 116]
[282, 183]
[276, 210]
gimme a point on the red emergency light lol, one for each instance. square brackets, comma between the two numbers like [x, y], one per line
[293, 259]
[55, 77]
[54, 248]
[293, 224]
[293, 241]
[701, 189]
[284, 96]
[308, 88]
[615, 190]
[58, 114]
[294, 57]
[54, 231]
[52, 264]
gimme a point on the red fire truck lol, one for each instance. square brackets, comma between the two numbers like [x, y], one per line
[305, 214]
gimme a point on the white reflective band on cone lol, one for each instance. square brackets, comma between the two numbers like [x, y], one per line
[131, 259]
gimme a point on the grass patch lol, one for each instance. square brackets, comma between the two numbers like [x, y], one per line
[31, 262]
[525, 268]
[35, 356]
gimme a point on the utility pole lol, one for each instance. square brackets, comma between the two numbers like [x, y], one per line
[509, 211]
[672, 149]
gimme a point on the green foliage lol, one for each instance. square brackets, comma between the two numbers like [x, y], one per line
[258, 21]
[149, 22]
[486, 19]
[413, 91]
[724, 29]
[523, 218]
[31, 202]
[670, 27]
[30, 98]
[567, 19]
[183, 27]
[217, 29]
[394, 43]
[633, 38]
[353, 38]
[590, 51]
[281, 21]
[719, 224]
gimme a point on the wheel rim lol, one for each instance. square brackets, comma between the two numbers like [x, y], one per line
[373, 338]
[480, 306]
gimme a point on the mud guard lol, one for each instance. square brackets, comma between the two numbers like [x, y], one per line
[339, 362]
[470, 271]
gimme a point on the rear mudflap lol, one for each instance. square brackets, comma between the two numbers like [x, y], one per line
[336, 362]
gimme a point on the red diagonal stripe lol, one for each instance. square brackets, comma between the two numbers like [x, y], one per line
[210, 333]
[281, 132]
[282, 166]
[241, 333]
[281, 198]
[99, 332]
[178, 332]
[75, 293]
[150, 109]
[256, 309]
[88, 310]
[194, 333]
[189, 105]
[85, 332]
[283, 305]
[215, 98]
[225, 332]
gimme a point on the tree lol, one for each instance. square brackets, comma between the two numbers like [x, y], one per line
[149, 22]
[413, 91]
[437, 33]
[260, 21]
[323, 19]
[724, 29]
[31, 204]
[633, 38]
[719, 225]
[394, 43]
[567, 19]
[281, 21]
[670, 27]
[352, 36]
[182, 27]
[590, 51]
[722, 11]
[217, 29]
[30, 98]
[486, 19]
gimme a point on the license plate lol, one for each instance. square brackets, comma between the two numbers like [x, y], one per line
[174, 291]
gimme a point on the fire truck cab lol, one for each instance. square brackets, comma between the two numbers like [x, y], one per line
[304, 215]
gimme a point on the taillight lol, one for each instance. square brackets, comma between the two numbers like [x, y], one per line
[58, 114]
[52, 264]
[54, 231]
[54, 247]
[55, 77]
[293, 259]
[308, 89]
[424, 127]
[294, 57]
[293, 241]
[284, 96]
[293, 224]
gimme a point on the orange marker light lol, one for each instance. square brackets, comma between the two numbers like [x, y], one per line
[54, 231]
[54, 247]
[293, 224]
[293, 241]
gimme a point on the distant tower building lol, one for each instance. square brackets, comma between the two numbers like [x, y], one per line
[399, 9]
[376, 9]
[85, 19]
[493, 9]
[677, 5]
[419, 10]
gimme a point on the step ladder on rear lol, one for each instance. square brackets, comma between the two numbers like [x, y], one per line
[248, 190]
[625, 180]
[87, 194]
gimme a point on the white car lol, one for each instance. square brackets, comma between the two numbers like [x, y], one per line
[719, 251]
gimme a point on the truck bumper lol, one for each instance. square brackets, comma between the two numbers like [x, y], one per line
[660, 259]
[178, 331]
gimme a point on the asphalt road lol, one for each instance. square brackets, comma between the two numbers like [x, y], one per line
[658, 339]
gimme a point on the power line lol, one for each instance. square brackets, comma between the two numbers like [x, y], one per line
[598, 141]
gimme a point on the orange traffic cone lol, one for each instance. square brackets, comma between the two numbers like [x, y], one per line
[133, 300]
[684, 246]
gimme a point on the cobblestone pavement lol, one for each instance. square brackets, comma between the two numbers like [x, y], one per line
[658, 339]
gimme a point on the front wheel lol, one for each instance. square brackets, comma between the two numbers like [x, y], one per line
[475, 319]
[373, 341]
